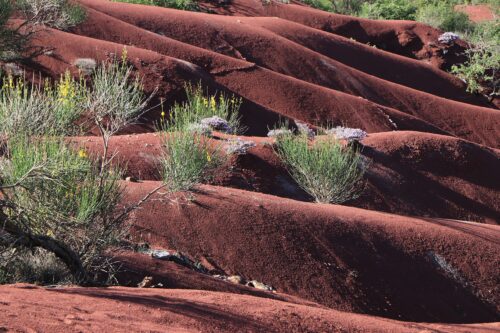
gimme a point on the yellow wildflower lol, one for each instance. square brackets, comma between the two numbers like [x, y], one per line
[212, 102]
[124, 55]
[209, 158]
[82, 153]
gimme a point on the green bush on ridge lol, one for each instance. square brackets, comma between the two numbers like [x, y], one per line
[190, 157]
[324, 168]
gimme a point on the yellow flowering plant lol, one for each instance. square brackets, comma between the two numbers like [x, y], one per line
[199, 106]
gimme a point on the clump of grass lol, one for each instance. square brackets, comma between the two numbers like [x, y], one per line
[32, 266]
[189, 159]
[199, 107]
[324, 168]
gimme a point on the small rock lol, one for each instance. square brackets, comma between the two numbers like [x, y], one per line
[161, 254]
[131, 179]
[236, 279]
[260, 285]
[147, 282]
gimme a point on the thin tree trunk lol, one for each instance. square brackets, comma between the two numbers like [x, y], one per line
[61, 251]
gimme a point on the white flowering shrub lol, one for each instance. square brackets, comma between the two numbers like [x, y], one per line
[85, 65]
[238, 146]
[347, 133]
[201, 129]
[216, 123]
[448, 38]
[275, 133]
[304, 129]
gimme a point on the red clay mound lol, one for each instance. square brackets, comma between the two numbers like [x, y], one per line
[432, 175]
[26, 308]
[477, 13]
[288, 98]
[346, 258]
[411, 173]
[240, 39]
[134, 267]
[244, 38]
[407, 38]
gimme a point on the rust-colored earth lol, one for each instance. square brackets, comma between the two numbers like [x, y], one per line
[417, 252]
[477, 13]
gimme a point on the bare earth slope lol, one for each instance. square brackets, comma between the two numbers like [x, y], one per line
[142, 310]
[346, 258]
[408, 38]
[420, 245]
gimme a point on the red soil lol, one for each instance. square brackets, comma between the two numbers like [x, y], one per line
[434, 153]
[477, 13]
[346, 258]
[407, 38]
[333, 100]
[292, 97]
[24, 309]
[411, 173]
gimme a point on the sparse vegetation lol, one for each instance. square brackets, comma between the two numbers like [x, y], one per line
[189, 156]
[201, 106]
[14, 40]
[481, 71]
[54, 197]
[191, 5]
[59, 14]
[324, 168]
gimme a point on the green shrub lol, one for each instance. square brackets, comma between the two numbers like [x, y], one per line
[389, 10]
[328, 171]
[189, 159]
[54, 197]
[53, 191]
[191, 5]
[481, 69]
[35, 110]
[116, 98]
[441, 15]
[59, 14]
